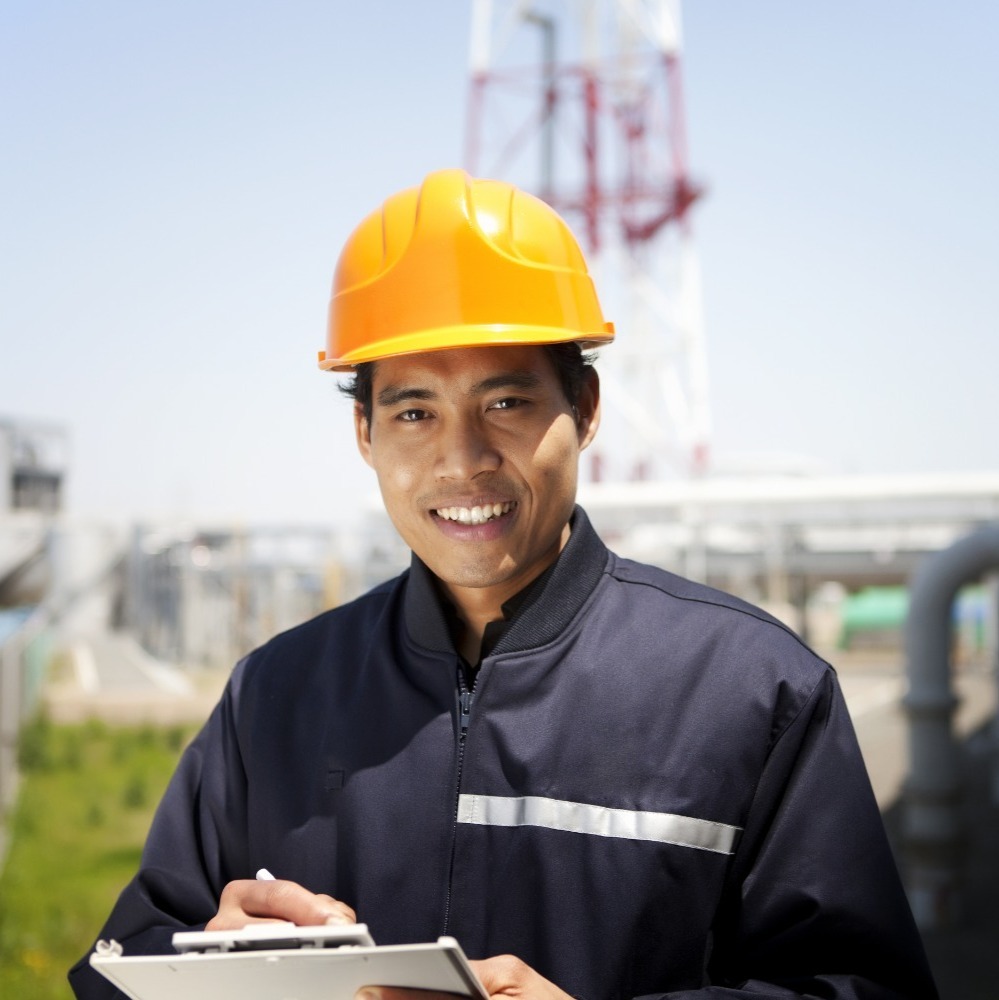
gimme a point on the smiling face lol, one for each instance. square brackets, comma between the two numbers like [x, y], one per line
[477, 453]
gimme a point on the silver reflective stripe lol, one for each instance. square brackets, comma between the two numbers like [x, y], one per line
[599, 821]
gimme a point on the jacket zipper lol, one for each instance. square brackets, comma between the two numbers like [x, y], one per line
[464, 713]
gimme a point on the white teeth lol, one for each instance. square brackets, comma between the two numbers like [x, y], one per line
[475, 515]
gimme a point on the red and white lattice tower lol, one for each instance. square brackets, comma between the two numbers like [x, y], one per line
[581, 102]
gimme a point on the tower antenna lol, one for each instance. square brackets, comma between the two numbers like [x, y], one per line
[582, 102]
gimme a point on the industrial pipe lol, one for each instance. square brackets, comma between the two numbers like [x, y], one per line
[933, 834]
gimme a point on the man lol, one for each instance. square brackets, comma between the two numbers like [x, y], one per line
[604, 780]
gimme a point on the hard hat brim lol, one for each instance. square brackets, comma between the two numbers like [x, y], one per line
[451, 338]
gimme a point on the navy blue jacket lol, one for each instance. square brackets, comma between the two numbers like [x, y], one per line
[656, 789]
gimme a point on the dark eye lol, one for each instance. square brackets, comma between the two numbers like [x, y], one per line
[411, 416]
[507, 403]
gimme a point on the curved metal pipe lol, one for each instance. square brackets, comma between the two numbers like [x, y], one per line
[932, 830]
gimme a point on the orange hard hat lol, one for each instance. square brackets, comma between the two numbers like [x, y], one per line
[459, 262]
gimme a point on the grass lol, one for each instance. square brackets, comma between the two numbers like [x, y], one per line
[86, 800]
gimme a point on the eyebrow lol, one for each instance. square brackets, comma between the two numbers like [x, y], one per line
[525, 381]
[391, 395]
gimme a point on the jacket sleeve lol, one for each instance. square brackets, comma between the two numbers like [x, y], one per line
[196, 844]
[814, 905]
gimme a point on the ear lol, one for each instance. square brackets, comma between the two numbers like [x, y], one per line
[362, 432]
[588, 409]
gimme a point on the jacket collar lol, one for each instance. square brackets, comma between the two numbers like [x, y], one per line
[548, 608]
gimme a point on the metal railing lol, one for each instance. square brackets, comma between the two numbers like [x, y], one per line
[24, 658]
[24, 661]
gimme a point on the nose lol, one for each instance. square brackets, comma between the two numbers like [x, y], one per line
[465, 451]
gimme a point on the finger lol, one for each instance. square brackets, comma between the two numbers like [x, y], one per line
[291, 901]
[340, 913]
[246, 901]
[231, 914]
[506, 975]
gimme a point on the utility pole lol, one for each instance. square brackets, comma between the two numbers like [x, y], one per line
[602, 113]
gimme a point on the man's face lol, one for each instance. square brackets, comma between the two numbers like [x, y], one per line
[477, 453]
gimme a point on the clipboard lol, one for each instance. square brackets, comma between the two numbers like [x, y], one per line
[280, 961]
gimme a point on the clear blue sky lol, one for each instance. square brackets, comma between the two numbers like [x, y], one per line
[177, 179]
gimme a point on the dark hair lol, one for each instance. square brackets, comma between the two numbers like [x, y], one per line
[570, 363]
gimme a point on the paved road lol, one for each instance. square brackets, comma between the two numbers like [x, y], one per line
[114, 679]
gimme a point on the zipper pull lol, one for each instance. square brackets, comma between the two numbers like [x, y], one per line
[465, 699]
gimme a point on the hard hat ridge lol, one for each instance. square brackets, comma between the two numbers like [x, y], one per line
[459, 262]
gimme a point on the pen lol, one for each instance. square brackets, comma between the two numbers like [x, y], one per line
[263, 875]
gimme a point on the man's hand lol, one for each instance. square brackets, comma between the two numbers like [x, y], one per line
[247, 901]
[502, 976]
